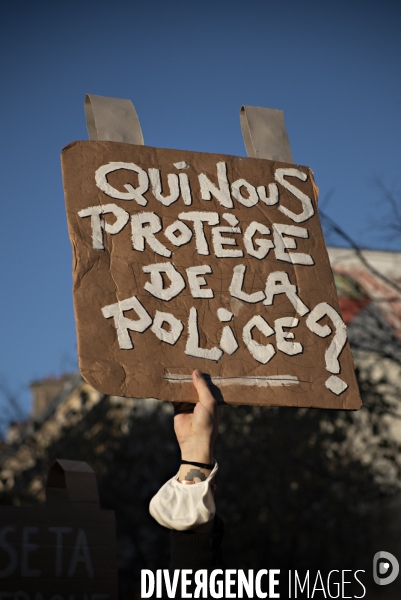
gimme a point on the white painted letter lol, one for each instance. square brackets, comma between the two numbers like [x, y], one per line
[228, 342]
[195, 281]
[185, 188]
[184, 183]
[141, 233]
[156, 181]
[198, 218]
[98, 224]
[178, 240]
[307, 206]
[236, 287]
[273, 194]
[290, 348]
[219, 241]
[263, 245]
[192, 348]
[252, 195]
[176, 327]
[156, 284]
[278, 282]
[222, 193]
[261, 353]
[132, 193]
[122, 324]
[282, 243]
[338, 342]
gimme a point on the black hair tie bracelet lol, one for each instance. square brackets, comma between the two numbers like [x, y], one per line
[197, 464]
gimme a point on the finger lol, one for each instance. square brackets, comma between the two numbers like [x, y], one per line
[204, 394]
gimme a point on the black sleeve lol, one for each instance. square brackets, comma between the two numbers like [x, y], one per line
[191, 550]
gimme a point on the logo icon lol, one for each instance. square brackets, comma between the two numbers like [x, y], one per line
[385, 568]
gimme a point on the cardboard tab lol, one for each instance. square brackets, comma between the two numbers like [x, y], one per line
[264, 133]
[112, 120]
[71, 481]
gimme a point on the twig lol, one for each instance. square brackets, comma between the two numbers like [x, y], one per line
[337, 229]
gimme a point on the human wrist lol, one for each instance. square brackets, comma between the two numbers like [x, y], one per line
[198, 453]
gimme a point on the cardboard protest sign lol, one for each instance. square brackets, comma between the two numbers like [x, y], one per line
[64, 549]
[187, 260]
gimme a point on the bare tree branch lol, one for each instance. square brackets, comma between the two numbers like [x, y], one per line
[358, 251]
[392, 223]
[13, 402]
[326, 198]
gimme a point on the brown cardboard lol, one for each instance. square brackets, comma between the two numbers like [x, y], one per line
[112, 264]
[66, 547]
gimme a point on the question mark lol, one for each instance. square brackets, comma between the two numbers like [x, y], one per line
[333, 383]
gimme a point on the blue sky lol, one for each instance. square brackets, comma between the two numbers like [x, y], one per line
[334, 68]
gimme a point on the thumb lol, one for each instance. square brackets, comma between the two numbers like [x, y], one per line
[204, 394]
